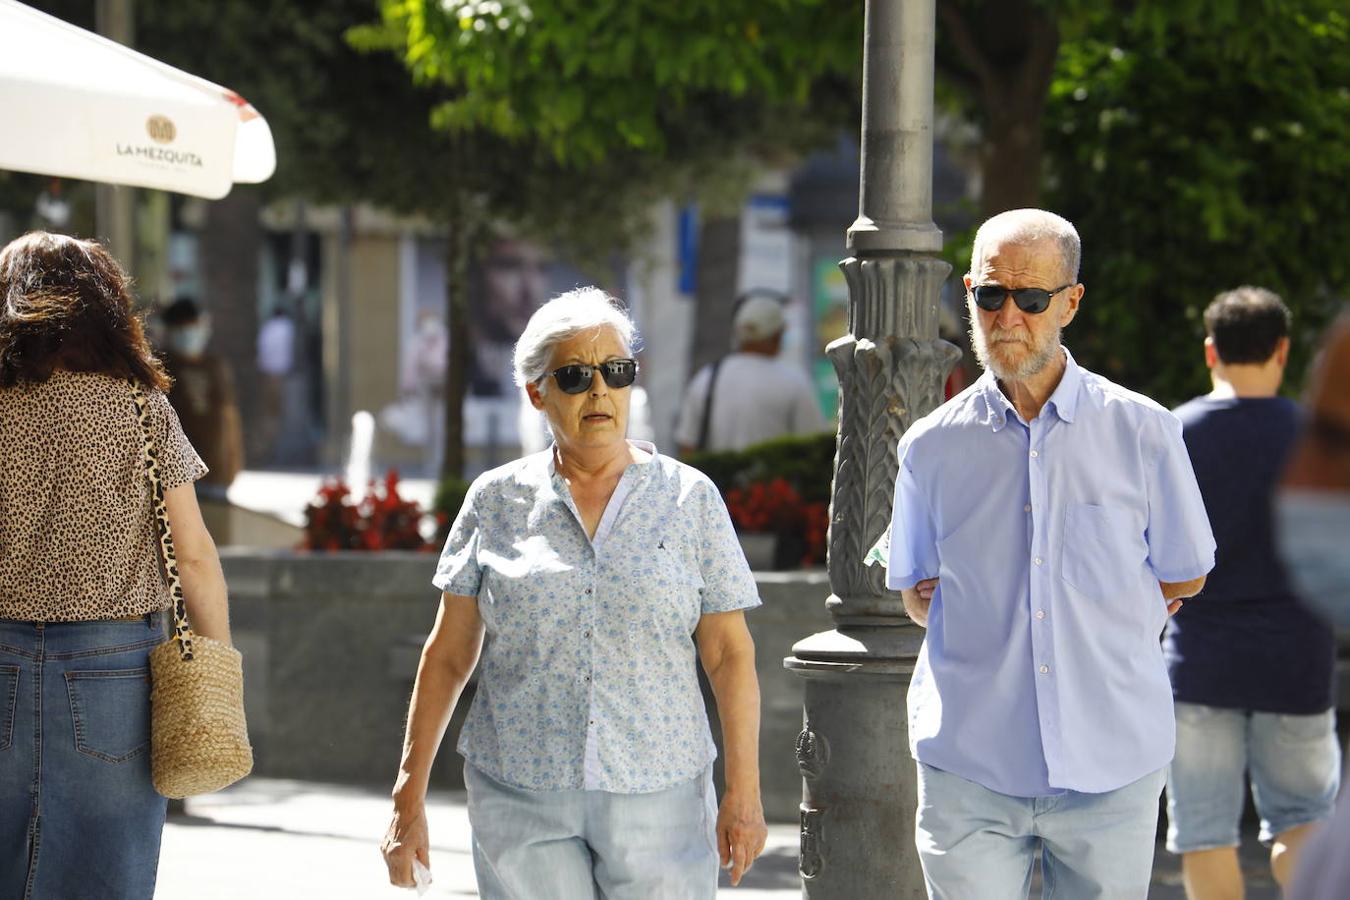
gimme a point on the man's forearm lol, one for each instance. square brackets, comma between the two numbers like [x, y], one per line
[1179, 590]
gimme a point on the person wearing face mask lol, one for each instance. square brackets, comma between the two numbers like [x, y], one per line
[203, 394]
[1313, 530]
[1251, 667]
[1045, 522]
[593, 578]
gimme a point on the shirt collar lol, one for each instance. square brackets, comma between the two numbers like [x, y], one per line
[648, 446]
[1064, 399]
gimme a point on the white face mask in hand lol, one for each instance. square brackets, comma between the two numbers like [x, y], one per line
[1314, 542]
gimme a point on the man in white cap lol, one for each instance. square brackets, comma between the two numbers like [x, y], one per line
[754, 396]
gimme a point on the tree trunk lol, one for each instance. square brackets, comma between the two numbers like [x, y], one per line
[458, 258]
[230, 241]
[1011, 158]
[718, 269]
[1005, 59]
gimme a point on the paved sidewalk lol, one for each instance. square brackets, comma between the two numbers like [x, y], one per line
[289, 840]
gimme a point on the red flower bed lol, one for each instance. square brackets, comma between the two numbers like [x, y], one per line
[775, 507]
[382, 521]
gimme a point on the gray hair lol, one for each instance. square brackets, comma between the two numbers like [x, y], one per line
[562, 318]
[1030, 226]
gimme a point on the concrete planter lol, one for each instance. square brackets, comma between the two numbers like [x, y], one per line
[759, 548]
[331, 644]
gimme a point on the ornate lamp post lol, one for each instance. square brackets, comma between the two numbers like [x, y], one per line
[859, 780]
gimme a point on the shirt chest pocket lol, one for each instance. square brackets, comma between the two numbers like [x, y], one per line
[1103, 550]
[665, 589]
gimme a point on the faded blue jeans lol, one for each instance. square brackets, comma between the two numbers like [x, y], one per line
[79, 818]
[978, 844]
[584, 845]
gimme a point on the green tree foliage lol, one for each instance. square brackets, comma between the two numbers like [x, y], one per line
[588, 77]
[1196, 157]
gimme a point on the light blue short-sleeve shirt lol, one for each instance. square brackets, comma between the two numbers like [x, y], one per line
[588, 676]
[1042, 670]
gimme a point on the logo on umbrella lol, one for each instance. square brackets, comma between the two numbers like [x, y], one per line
[161, 129]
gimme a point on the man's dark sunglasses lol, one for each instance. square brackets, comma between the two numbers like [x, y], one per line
[991, 297]
[577, 378]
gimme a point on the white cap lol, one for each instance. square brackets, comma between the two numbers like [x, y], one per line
[758, 318]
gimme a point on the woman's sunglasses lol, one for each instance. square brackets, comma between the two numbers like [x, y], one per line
[577, 378]
[991, 297]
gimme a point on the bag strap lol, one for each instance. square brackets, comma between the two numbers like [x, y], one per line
[706, 424]
[182, 631]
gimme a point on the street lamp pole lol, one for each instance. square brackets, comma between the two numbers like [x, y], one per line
[857, 814]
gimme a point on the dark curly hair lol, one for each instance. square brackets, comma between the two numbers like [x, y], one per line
[66, 304]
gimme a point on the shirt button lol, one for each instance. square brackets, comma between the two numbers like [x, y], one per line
[1034, 454]
[1027, 508]
[1037, 560]
[1045, 670]
[1040, 614]
[585, 678]
[588, 590]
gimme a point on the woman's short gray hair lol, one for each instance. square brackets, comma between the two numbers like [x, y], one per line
[562, 318]
[1030, 226]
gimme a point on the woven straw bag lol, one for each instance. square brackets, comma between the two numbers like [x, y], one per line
[198, 736]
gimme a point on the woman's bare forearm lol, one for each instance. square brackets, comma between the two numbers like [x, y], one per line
[434, 696]
[205, 595]
[736, 687]
[448, 659]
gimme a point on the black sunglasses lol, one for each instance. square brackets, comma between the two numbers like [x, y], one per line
[577, 378]
[991, 297]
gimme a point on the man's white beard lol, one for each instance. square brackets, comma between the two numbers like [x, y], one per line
[1035, 359]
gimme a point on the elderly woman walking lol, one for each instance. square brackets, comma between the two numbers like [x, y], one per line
[592, 577]
[83, 598]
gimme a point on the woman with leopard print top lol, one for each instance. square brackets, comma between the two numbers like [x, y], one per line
[82, 595]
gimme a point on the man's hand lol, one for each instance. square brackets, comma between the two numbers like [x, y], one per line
[918, 599]
[741, 832]
[407, 838]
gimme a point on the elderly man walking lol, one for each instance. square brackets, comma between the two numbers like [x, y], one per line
[1044, 520]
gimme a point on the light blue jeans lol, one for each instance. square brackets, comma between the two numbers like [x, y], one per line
[1294, 763]
[79, 817]
[581, 845]
[978, 844]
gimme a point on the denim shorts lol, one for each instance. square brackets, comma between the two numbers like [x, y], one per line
[579, 845]
[79, 817]
[1294, 763]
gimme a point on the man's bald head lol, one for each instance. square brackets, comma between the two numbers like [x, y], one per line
[1030, 226]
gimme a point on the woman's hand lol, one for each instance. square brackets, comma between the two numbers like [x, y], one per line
[741, 832]
[407, 839]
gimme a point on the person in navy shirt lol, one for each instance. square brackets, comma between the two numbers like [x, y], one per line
[1060, 516]
[1251, 667]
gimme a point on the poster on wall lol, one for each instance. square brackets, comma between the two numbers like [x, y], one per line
[514, 279]
[829, 303]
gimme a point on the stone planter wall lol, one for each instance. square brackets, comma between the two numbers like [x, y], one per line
[331, 644]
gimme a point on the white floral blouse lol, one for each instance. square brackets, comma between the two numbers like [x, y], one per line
[588, 677]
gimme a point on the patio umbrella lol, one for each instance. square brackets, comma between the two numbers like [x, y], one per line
[77, 105]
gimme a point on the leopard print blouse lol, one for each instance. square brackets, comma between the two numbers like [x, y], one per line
[77, 532]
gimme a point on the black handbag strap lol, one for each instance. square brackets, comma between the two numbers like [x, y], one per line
[182, 632]
[706, 424]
